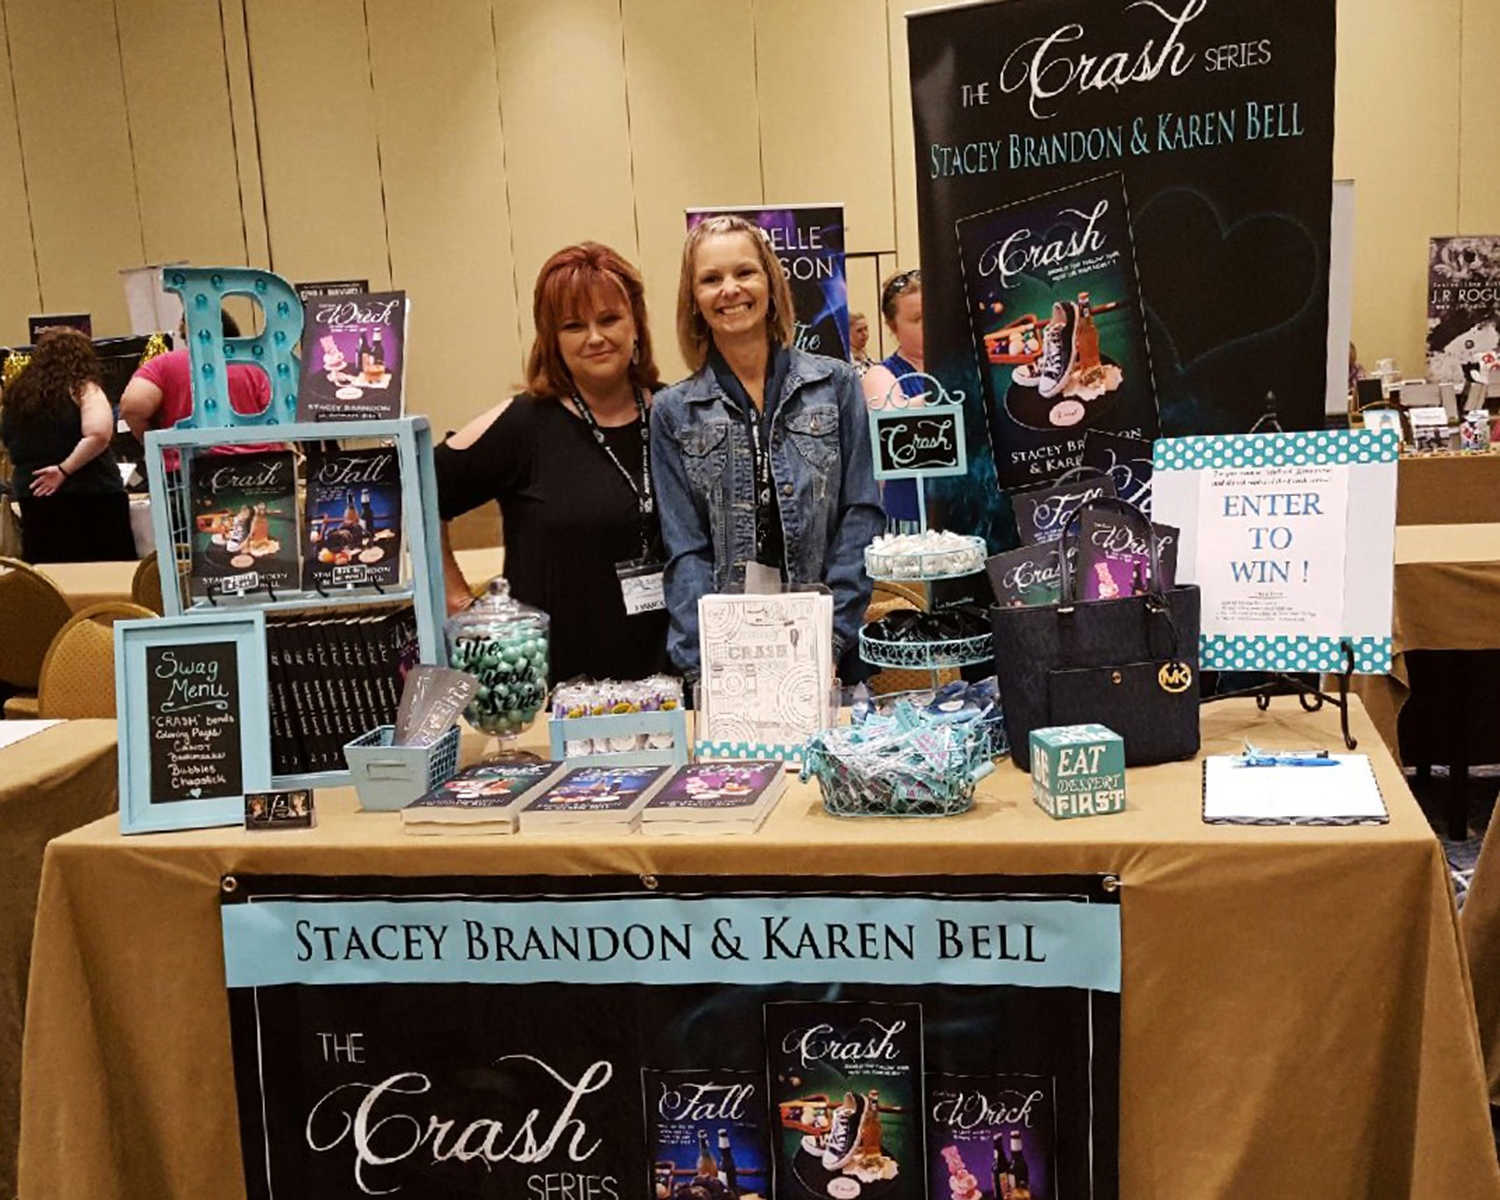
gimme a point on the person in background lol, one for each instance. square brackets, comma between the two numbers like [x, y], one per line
[568, 461]
[859, 338]
[160, 394]
[899, 377]
[762, 455]
[56, 423]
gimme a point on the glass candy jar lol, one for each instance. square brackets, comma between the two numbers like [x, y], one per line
[504, 644]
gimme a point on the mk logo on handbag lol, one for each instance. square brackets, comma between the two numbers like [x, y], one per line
[1175, 677]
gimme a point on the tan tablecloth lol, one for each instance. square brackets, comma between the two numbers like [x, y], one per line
[91, 582]
[1297, 1015]
[1446, 489]
[53, 781]
[1447, 598]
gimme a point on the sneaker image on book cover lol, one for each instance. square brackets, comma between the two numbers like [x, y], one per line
[844, 1136]
[1059, 349]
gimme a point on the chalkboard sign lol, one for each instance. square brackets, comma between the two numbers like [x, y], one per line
[191, 697]
[192, 707]
[921, 442]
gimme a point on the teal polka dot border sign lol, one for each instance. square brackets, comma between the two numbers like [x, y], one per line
[787, 752]
[1320, 448]
[1226, 652]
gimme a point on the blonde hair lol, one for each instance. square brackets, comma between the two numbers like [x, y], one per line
[693, 336]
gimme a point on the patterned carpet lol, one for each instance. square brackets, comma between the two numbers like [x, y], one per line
[1432, 794]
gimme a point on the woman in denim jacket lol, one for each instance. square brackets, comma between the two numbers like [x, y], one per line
[762, 455]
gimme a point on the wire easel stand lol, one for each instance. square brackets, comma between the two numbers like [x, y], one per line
[1311, 698]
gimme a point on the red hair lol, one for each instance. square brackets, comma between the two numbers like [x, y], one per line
[565, 286]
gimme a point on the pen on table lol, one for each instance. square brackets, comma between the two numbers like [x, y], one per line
[1288, 758]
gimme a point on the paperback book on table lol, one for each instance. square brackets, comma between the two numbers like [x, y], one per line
[716, 797]
[592, 799]
[484, 798]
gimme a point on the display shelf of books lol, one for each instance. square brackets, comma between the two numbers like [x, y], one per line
[330, 529]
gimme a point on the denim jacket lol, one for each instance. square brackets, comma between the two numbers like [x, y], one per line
[701, 461]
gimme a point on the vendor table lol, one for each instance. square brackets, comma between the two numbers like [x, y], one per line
[54, 780]
[1447, 598]
[1296, 1009]
[86, 583]
[92, 582]
[1481, 929]
[1445, 489]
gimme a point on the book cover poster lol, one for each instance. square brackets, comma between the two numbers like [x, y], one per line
[352, 518]
[353, 357]
[846, 1084]
[716, 785]
[705, 1130]
[1216, 118]
[1463, 306]
[1059, 335]
[808, 240]
[990, 1137]
[244, 523]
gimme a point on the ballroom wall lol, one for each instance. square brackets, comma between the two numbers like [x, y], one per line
[449, 147]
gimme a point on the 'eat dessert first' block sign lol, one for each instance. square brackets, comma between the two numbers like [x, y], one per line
[1078, 770]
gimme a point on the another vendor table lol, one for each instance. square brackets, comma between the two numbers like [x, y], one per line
[1297, 1014]
[1446, 489]
[86, 583]
[1447, 598]
[51, 781]
[92, 582]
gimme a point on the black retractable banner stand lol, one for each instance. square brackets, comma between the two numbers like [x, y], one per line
[1124, 213]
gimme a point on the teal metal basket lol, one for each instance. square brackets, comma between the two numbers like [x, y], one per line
[927, 772]
[390, 777]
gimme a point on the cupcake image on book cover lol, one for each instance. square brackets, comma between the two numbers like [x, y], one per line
[353, 353]
[990, 1137]
[244, 523]
[706, 1134]
[1059, 330]
[846, 1082]
[352, 519]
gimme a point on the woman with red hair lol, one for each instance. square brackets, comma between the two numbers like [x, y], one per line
[568, 461]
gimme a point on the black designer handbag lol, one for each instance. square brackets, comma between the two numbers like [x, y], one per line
[1130, 664]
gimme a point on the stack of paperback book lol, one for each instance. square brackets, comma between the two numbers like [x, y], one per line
[484, 798]
[715, 798]
[333, 678]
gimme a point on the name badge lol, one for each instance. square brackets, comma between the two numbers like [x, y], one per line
[642, 587]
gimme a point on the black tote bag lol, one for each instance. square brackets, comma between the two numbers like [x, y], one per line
[1130, 664]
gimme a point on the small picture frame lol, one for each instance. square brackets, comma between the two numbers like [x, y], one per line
[194, 731]
[1379, 419]
[271, 811]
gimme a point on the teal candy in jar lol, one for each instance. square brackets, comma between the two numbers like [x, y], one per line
[505, 645]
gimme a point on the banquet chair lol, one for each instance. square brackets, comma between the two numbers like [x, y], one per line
[78, 674]
[32, 610]
[145, 585]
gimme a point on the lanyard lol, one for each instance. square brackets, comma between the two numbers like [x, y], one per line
[645, 506]
[762, 481]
